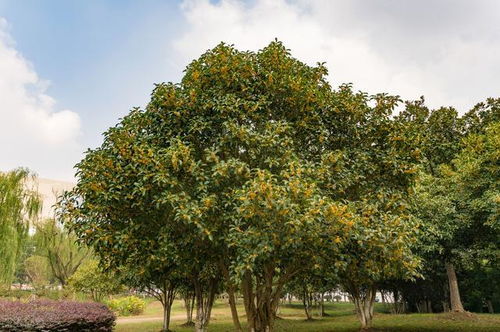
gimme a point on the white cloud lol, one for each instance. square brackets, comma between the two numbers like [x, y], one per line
[33, 133]
[447, 51]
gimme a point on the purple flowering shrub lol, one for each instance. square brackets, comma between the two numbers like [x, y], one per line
[48, 315]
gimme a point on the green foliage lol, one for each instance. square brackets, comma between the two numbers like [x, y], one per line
[60, 248]
[477, 178]
[91, 280]
[126, 306]
[455, 193]
[255, 169]
[38, 271]
[19, 205]
[460, 204]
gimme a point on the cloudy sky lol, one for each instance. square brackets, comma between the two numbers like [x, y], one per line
[71, 69]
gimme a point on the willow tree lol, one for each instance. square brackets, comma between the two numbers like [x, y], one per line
[19, 206]
[60, 248]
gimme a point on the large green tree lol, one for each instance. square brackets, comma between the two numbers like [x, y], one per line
[439, 202]
[19, 206]
[475, 182]
[251, 168]
[436, 134]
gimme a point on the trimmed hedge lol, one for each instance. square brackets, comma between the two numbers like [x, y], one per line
[49, 315]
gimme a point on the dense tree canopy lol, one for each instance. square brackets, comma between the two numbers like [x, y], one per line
[253, 170]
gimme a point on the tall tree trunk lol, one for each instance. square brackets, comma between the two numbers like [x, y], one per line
[489, 303]
[232, 305]
[204, 303]
[364, 302]
[166, 319]
[307, 301]
[231, 290]
[189, 305]
[321, 310]
[249, 300]
[261, 298]
[456, 303]
[167, 298]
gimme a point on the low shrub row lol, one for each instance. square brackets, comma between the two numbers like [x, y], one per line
[48, 315]
[126, 306]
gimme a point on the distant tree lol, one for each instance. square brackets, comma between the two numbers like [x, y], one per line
[19, 207]
[60, 248]
[310, 286]
[480, 289]
[37, 271]
[29, 249]
[436, 134]
[154, 276]
[90, 279]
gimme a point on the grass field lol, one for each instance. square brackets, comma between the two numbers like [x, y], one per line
[340, 318]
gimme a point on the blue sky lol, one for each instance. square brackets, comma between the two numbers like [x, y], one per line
[101, 57]
[71, 69]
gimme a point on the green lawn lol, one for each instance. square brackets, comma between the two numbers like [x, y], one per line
[341, 318]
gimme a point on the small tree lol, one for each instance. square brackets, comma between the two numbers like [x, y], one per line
[37, 270]
[162, 284]
[90, 279]
[61, 249]
[380, 250]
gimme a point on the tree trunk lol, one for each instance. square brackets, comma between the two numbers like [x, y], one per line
[456, 303]
[248, 300]
[364, 302]
[446, 306]
[166, 318]
[307, 301]
[189, 305]
[231, 289]
[167, 298]
[261, 298]
[204, 303]
[232, 305]
[321, 310]
[490, 306]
